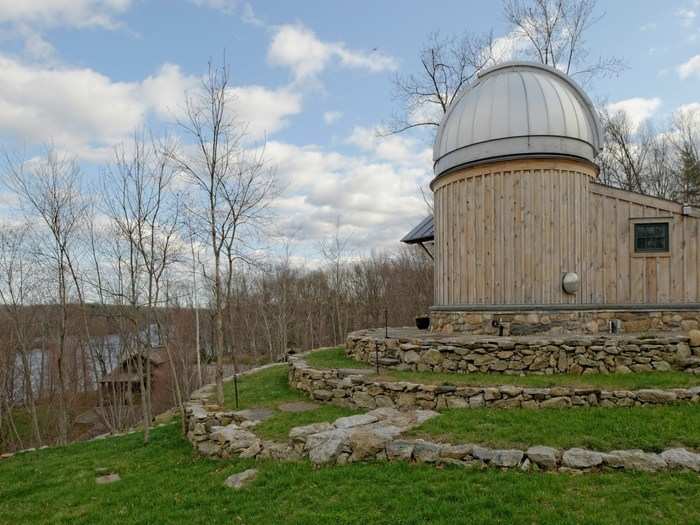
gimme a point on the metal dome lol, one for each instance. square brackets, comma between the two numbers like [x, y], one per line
[517, 109]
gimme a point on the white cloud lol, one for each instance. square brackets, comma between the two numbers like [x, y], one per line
[87, 113]
[374, 194]
[264, 110]
[638, 109]
[329, 117]
[689, 68]
[687, 16]
[398, 149]
[298, 48]
[74, 13]
[230, 7]
[507, 47]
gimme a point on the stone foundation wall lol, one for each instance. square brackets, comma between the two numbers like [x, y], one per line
[353, 388]
[563, 321]
[527, 355]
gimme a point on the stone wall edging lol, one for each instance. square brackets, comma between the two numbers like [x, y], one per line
[580, 354]
[352, 388]
[563, 319]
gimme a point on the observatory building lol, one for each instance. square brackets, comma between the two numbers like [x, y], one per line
[524, 234]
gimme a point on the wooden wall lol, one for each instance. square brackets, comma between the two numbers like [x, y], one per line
[507, 232]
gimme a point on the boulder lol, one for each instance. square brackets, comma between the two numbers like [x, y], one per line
[355, 421]
[546, 457]
[556, 402]
[483, 453]
[398, 449]
[426, 452]
[507, 458]
[456, 451]
[681, 458]
[432, 357]
[581, 458]
[694, 336]
[301, 433]
[424, 415]
[240, 480]
[656, 396]
[325, 447]
[411, 357]
[635, 460]
[365, 442]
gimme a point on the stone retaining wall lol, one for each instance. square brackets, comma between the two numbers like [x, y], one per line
[555, 322]
[354, 388]
[407, 350]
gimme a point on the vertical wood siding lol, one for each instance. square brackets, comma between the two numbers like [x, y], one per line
[507, 233]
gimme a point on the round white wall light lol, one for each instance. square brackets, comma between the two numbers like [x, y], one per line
[570, 282]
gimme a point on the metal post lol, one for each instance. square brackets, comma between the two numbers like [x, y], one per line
[235, 388]
[386, 323]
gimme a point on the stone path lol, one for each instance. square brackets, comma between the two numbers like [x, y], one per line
[376, 436]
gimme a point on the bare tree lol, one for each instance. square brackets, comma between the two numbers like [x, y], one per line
[554, 33]
[685, 135]
[446, 65]
[231, 188]
[50, 188]
[16, 289]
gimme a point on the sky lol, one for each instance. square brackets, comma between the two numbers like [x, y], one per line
[313, 79]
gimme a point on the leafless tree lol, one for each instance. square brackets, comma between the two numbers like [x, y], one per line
[50, 189]
[685, 137]
[232, 189]
[16, 289]
[554, 33]
[446, 65]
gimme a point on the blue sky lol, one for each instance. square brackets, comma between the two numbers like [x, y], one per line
[313, 77]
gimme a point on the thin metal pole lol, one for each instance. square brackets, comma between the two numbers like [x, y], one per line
[235, 388]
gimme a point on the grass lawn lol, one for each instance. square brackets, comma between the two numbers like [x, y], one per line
[165, 482]
[268, 389]
[648, 428]
[336, 358]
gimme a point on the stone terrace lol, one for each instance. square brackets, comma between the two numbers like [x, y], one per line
[416, 350]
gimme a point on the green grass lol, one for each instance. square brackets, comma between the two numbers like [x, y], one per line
[268, 389]
[165, 482]
[648, 428]
[336, 358]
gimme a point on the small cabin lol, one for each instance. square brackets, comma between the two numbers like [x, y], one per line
[524, 236]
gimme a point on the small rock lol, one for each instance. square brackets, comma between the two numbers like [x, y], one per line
[581, 458]
[238, 481]
[106, 480]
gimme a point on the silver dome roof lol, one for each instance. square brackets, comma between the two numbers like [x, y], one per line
[517, 109]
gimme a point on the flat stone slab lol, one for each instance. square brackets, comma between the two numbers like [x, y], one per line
[254, 414]
[240, 480]
[297, 406]
[106, 480]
